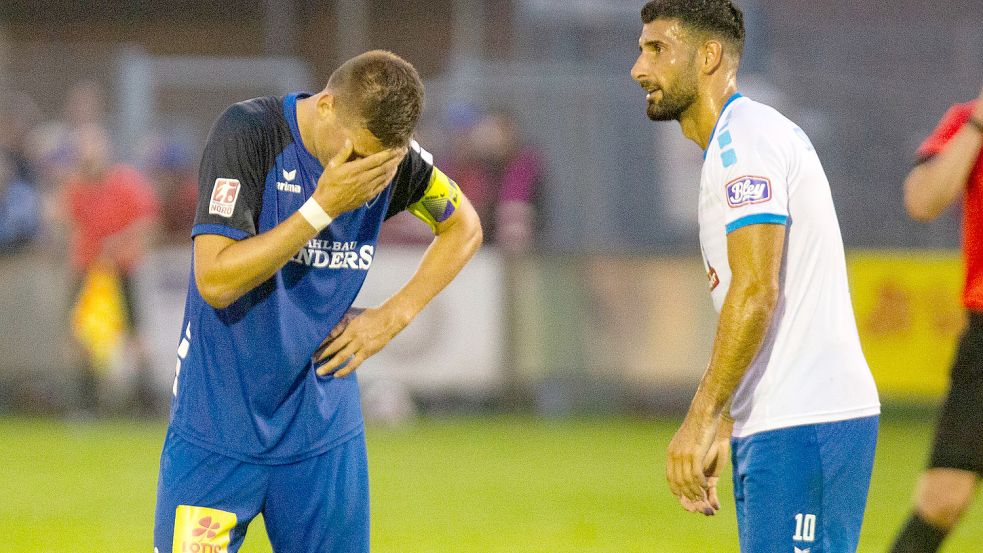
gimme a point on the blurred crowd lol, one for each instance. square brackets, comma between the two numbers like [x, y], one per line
[498, 170]
[67, 193]
[59, 177]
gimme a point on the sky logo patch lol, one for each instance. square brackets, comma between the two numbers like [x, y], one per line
[748, 190]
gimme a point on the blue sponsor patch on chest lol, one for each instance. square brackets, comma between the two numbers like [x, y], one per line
[748, 190]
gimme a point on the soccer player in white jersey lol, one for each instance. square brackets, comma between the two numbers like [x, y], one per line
[787, 386]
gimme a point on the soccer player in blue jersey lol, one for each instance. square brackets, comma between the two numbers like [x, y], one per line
[266, 416]
[787, 386]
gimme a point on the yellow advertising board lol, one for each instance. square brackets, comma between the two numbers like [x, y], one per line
[909, 315]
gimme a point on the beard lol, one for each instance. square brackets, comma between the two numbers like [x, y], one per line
[675, 100]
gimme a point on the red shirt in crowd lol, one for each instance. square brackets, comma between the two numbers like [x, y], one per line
[104, 207]
[951, 123]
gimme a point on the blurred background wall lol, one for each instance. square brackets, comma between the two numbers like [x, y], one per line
[590, 294]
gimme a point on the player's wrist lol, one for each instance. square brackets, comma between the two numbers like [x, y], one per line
[315, 215]
[975, 122]
[401, 311]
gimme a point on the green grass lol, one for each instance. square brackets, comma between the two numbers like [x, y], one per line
[499, 484]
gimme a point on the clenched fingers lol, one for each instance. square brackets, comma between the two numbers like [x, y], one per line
[712, 496]
[386, 169]
[377, 159]
[684, 471]
[703, 507]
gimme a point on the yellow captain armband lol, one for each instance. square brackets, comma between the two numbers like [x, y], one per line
[439, 200]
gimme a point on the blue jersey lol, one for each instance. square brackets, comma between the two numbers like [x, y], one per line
[245, 385]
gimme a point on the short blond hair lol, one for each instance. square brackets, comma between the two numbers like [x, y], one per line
[381, 91]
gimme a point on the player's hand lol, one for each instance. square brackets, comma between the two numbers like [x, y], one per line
[344, 185]
[713, 464]
[362, 337]
[687, 452]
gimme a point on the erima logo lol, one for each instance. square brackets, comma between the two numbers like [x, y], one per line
[806, 550]
[748, 190]
[325, 254]
[288, 186]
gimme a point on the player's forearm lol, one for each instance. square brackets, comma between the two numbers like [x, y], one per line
[227, 270]
[933, 185]
[449, 252]
[744, 321]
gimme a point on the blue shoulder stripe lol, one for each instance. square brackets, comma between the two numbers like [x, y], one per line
[228, 232]
[757, 219]
[733, 97]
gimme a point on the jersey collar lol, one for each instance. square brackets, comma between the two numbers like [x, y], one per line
[733, 97]
[290, 114]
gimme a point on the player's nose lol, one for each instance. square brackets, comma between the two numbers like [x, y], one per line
[637, 71]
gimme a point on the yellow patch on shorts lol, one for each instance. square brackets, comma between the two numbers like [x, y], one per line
[202, 530]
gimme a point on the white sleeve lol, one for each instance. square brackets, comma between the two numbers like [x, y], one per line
[753, 177]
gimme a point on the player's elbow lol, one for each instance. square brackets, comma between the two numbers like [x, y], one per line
[920, 201]
[919, 208]
[768, 295]
[466, 229]
[759, 295]
[475, 235]
[215, 293]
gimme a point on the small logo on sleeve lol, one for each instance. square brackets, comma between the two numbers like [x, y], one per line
[224, 196]
[713, 277]
[748, 190]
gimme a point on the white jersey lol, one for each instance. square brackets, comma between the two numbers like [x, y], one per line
[760, 168]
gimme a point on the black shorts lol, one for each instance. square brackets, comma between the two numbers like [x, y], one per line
[959, 435]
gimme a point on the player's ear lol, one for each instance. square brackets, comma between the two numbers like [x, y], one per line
[711, 55]
[326, 104]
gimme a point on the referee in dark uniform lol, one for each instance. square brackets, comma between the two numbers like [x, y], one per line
[950, 167]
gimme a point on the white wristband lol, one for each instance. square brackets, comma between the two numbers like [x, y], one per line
[315, 215]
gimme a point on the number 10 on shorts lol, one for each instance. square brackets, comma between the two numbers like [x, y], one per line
[805, 527]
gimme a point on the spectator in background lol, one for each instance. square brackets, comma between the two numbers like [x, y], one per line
[502, 176]
[51, 144]
[19, 116]
[20, 208]
[949, 169]
[111, 211]
[171, 168]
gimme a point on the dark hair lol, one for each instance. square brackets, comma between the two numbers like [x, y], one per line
[382, 91]
[718, 18]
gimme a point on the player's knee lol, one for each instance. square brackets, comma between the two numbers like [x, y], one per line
[944, 495]
[942, 507]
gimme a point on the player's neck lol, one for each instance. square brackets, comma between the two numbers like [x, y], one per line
[699, 121]
[306, 116]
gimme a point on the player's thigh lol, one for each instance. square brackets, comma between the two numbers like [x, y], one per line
[740, 505]
[847, 450]
[205, 500]
[780, 475]
[321, 504]
[959, 432]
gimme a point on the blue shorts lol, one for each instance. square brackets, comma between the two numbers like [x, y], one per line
[804, 489]
[206, 500]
